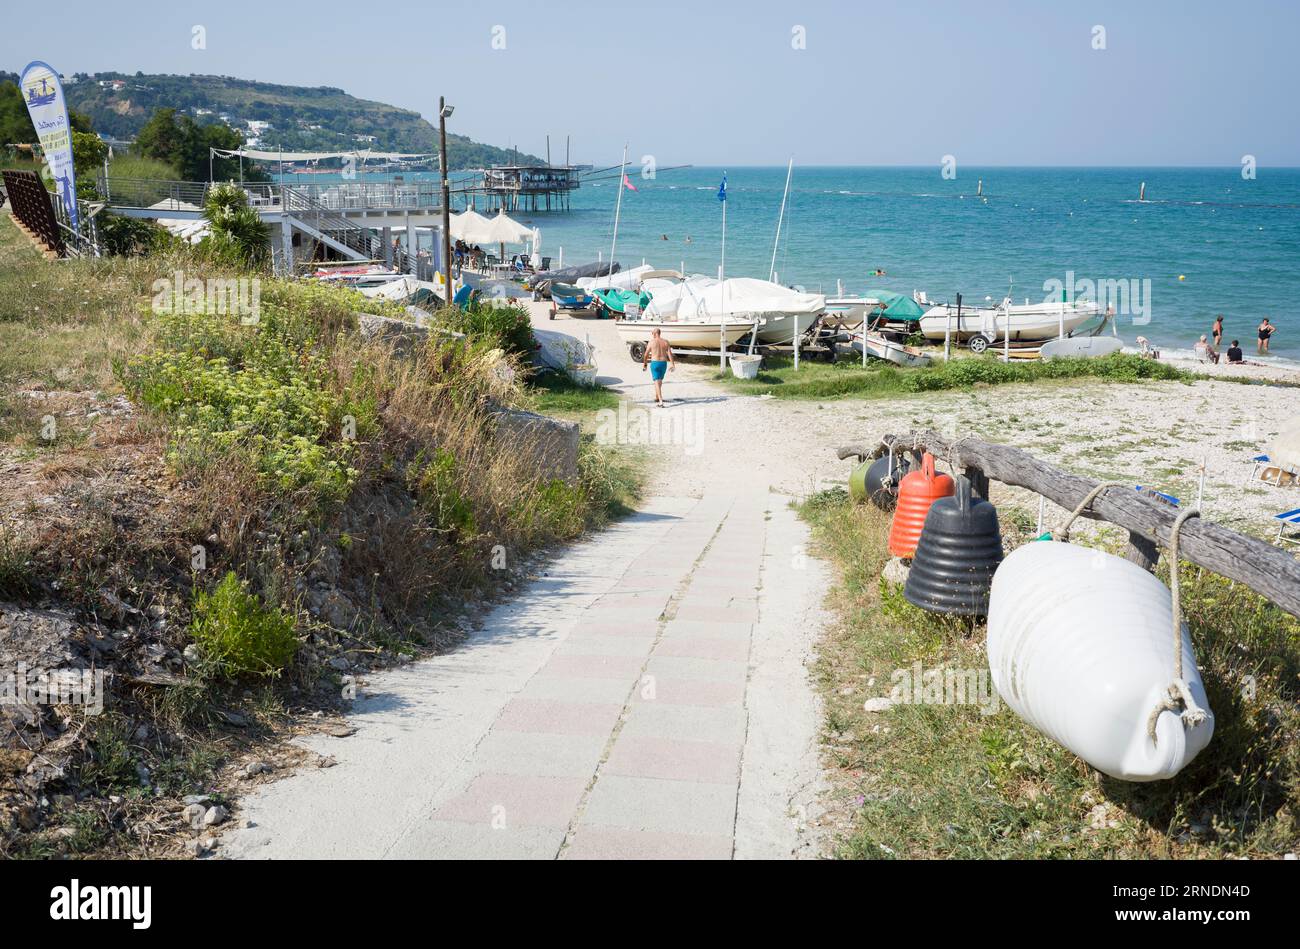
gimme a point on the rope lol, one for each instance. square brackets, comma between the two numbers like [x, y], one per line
[1179, 695]
[1086, 503]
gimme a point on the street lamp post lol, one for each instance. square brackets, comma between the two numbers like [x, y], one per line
[444, 112]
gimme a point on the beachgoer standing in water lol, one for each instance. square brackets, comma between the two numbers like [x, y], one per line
[659, 357]
[1265, 332]
[1217, 330]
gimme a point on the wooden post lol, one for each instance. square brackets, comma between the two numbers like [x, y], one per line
[1269, 571]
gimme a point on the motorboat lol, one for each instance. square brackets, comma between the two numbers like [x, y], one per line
[568, 297]
[983, 325]
[890, 351]
[699, 334]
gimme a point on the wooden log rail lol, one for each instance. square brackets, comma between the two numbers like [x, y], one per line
[1268, 570]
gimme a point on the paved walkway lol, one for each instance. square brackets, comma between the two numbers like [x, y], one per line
[647, 698]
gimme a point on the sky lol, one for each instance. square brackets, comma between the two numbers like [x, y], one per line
[724, 82]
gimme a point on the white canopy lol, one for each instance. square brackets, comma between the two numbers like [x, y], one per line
[470, 227]
[505, 230]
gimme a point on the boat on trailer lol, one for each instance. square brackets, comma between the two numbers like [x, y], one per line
[568, 297]
[980, 326]
[682, 334]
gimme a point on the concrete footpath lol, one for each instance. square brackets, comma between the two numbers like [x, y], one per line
[647, 698]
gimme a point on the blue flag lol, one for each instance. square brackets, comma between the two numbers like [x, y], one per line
[722, 189]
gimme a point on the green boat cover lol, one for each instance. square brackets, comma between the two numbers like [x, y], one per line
[616, 300]
[895, 306]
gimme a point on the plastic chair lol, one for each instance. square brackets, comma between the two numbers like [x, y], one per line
[1283, 519]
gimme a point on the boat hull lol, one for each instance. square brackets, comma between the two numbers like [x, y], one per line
[682, 334]
[1043, 321]
[782, 327]
[888, 350]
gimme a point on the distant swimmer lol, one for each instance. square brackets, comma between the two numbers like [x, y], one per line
[688, 238]
[663, 237]
[879, 272]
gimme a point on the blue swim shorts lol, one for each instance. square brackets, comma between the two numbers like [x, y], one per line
[658, 369]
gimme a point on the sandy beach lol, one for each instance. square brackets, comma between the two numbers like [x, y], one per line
[1155, 433]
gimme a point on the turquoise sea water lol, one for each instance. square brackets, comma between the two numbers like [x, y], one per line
[1235, 241]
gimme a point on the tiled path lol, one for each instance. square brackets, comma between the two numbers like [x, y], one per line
[648, 698]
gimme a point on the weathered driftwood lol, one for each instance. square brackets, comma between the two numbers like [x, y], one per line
[1270, 571]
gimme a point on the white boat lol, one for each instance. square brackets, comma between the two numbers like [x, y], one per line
[1090, 347]
[1028, 321]
[780, 311]
[849, 312]
[897, 353]
[695, 334]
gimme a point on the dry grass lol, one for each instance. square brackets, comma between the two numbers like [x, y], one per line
[925, 781]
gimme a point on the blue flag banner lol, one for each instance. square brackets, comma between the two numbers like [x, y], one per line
[722, 189]
[43, 94]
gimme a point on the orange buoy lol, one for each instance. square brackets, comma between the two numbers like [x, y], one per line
[917, 491]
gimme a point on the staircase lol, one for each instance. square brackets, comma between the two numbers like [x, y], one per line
[331, 229]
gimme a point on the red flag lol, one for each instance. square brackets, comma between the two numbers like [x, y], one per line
[627, 183]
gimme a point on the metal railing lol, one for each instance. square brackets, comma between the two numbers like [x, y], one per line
[304, 207]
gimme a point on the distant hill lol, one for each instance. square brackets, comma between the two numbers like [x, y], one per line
[297, 117]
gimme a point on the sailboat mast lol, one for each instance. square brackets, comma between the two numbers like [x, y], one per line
[618, 208]
[771, 271]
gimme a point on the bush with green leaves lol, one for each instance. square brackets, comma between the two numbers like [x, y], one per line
[260, 391]
[238, 635]
[238, 233]
[509, 326]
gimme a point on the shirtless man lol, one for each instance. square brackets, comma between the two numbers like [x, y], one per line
[659, 357]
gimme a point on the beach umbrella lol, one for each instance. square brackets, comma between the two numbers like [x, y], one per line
[536, 258]
[470, 227]
[503, 230]
[1285, 449]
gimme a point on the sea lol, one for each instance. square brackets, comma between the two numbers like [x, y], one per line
[1201, 242]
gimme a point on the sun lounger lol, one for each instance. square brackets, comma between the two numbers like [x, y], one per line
[1270, 472]
[1283, 519]
[1159, 496]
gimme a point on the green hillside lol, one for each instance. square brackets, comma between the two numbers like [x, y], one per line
[301, 118]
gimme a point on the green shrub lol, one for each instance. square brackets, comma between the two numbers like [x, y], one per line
[509, 326]
[261, 391]
[441, 496]
[238, 634]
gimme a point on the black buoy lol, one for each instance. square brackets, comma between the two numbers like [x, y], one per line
[959, 551]
[883, 477]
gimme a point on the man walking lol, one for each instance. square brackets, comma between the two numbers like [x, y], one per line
[658, 356]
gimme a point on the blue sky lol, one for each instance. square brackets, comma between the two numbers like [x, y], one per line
[1015, 82]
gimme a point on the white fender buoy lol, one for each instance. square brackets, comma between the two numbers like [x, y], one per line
[1081, 646]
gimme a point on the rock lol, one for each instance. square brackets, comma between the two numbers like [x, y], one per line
[195, 848]
[340, 730]
[325, 762]
[551, 443]
[215, 816]
[255, 768]
[895, 571]
[208, 843]
[339, 663]
[191, 654]
[401, 335]
[881, 704]
[193, 815]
